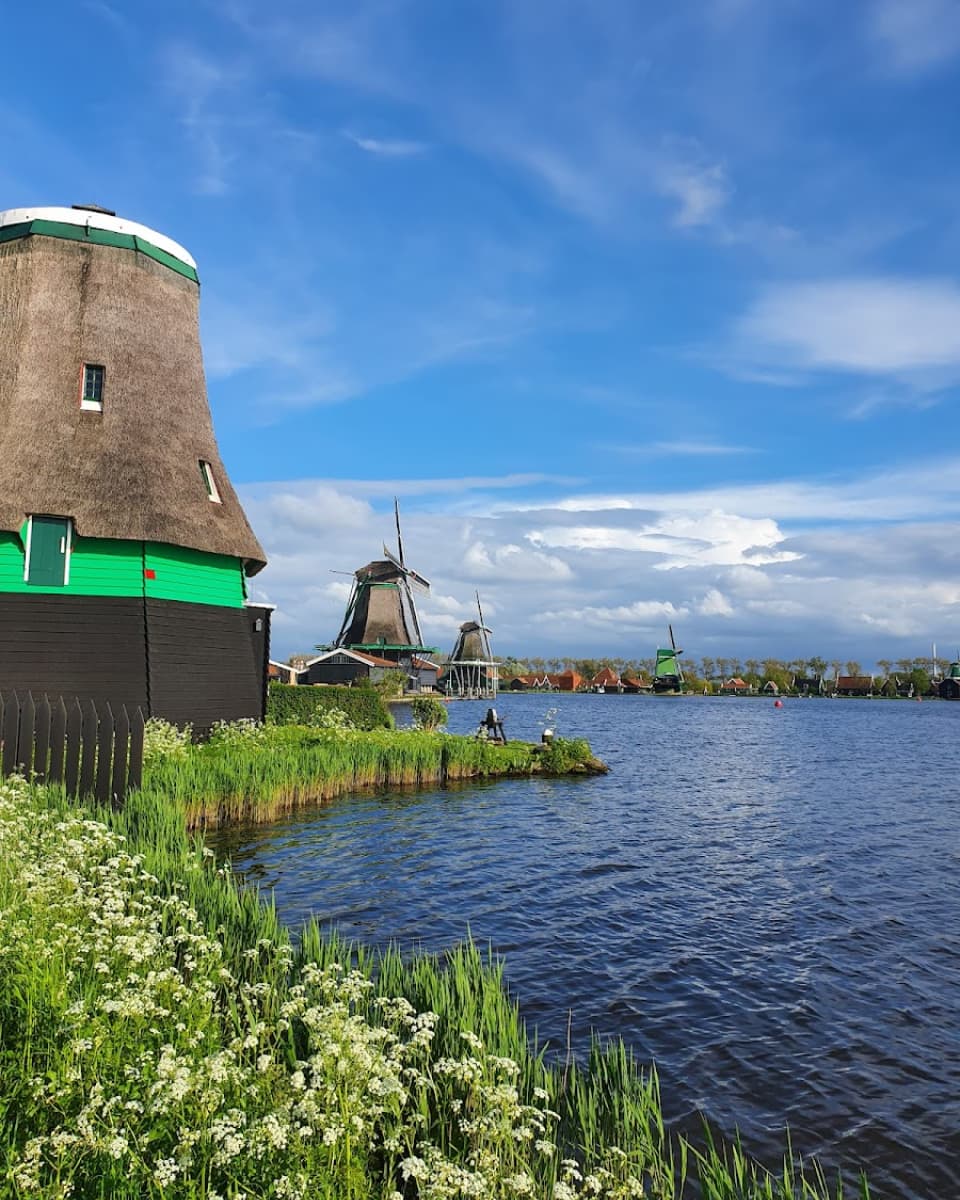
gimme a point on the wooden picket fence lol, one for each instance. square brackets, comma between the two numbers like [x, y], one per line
[90, 751]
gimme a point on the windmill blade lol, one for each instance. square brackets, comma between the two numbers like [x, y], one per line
[417, 581]
[483, 627]
[414, 578]
[396, 514]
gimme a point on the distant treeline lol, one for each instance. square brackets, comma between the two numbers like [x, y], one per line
[756, 672]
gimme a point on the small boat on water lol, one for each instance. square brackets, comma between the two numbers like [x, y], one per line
[667, 675]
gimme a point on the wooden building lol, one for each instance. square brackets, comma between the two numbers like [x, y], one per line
[124, 552]
[347, 667]
[606, 680]
[949, 687]
[735, 686]
[808, 685]
[854, 685]
[344, 667]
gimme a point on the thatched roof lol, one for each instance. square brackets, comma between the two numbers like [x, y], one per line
[132, 471]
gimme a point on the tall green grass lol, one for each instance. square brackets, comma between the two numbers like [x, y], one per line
[288, 766]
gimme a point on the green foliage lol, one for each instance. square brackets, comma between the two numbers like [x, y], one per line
[564, 755]
[292, 704]
[162, 738]
[391, 685]
[428, 712]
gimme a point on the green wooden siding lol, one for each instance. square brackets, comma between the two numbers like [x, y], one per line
[183, 574]
[103, 567]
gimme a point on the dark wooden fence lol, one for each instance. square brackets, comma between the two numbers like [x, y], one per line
[91, 751]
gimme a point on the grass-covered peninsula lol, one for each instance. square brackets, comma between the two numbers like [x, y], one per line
[258, 773]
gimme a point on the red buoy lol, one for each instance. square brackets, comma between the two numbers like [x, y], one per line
[778, 704]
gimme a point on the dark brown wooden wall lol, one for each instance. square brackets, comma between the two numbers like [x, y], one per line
[206, 663]
[330, 672]
[86, 646]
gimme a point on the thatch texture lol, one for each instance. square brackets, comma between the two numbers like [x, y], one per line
[131, 472]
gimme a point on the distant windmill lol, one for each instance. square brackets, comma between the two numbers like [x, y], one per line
[667, 676]
[471, 670]
[381, 616]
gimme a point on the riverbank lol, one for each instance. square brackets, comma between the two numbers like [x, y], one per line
[162, 1038]
[262, 773]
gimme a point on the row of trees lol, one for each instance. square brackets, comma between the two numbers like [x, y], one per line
[714, 671]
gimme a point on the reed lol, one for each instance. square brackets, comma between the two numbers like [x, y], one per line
[282, 768]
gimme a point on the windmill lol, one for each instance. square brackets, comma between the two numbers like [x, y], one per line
[471, 670]
[667, 676]
[381, 616]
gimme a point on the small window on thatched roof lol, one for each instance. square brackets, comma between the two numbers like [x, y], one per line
[91, 392]
[206, 472]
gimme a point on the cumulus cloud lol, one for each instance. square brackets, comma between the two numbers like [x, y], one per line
[715, 604]
[679, 540]
[512, 562]
[642, 613]
[880, 577]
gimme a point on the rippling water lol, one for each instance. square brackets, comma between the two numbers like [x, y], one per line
[766, 902]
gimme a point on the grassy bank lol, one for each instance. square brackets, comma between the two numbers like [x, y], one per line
[265, 772]
[161, 1038]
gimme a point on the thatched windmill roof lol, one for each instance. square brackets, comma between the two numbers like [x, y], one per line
[81, 287]
[381, 609]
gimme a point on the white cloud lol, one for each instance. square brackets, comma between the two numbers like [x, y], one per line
[388, 147]
[916, 35]
[698, 449]
[512, 562]
[906, 328]
[679, 539]
[642, 613]
[715, 604]
[701, 190]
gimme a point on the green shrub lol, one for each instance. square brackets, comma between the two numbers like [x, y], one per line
[292, 704]
[428, 712]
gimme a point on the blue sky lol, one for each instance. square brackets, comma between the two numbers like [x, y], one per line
[647, 313]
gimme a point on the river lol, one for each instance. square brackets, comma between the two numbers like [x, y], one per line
[763, 901]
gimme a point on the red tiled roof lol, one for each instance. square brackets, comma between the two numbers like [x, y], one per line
[605, 678]
[374, 661]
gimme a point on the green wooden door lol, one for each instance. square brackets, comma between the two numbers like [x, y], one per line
[49, 550]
